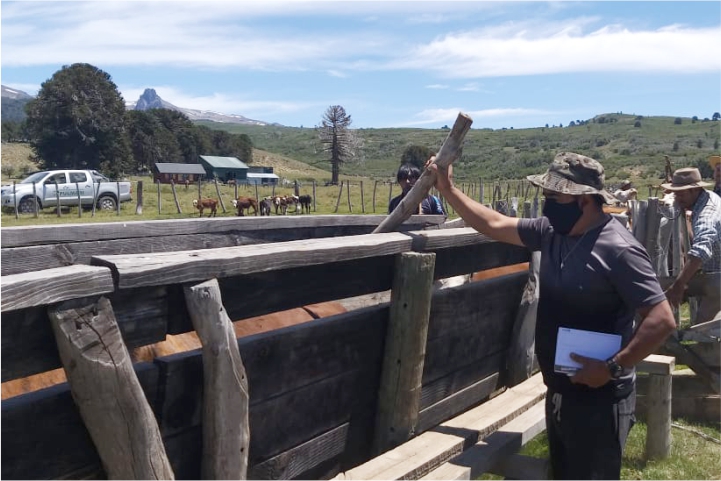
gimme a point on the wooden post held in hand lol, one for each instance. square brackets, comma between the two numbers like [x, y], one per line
[445, 157]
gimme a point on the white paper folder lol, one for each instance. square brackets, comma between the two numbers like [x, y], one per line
[596, 345]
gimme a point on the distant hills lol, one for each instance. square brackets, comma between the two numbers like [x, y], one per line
[13, 108]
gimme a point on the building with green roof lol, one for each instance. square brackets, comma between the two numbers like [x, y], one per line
[224, 168]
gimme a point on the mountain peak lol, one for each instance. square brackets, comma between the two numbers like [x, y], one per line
[7, 92]
[151, 100]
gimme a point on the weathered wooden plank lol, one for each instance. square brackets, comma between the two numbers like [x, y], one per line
[481, 457]
[49, 439]
[49, 286]
[32, 258]
[457, 260]
[422, 454]
[457, 402]
[107, 392]
[198, 265]
[225, 402]
[400, 387]
[55, 234]
[305, 456]
[28, 343]
[446, 237]
[657, 364]
[279, 361]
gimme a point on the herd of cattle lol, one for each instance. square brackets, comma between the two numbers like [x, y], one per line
[281, 203]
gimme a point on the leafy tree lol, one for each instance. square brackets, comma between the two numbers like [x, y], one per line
[716, 116]
[416, 155]
[77, 121]
[337, 139]
[677, 121]
[637, 123]
[694, 119]
[14, 132]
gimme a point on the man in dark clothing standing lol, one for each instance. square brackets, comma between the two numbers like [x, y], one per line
[407, 176]
[594, 276]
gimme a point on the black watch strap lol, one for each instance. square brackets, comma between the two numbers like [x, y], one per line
[615, 369]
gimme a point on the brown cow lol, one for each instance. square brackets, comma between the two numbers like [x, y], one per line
[245, 203]
[202, 204]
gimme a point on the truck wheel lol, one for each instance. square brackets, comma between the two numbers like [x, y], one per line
[107, 202]
[27, 205]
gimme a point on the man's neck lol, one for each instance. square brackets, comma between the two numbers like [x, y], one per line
[589, 220]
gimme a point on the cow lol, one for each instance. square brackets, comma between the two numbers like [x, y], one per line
[280, 204]
[265, 205]
[242, 203]
[292, 200]
[202, 204]
[305, 201]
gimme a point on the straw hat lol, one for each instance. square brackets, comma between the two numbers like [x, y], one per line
[686, 178]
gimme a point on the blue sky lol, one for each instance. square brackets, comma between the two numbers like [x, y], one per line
[389, 64]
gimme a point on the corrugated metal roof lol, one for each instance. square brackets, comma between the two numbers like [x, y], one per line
[224, 162]
[259, 175]
[176, 168]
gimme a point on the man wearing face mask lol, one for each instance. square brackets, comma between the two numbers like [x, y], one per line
[594, 276]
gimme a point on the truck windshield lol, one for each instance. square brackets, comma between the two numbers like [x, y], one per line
[36, 177]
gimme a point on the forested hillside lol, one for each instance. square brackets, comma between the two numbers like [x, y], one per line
[628, 146]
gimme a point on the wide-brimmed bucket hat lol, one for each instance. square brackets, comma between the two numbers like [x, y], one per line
[573, 174]
[686, 178]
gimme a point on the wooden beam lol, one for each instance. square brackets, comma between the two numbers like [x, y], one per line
[448, 153]
[226, 432]
[107, 392]
[137, 270]
[657, 364]
[508, 439]
[53, 285]
[419, 456]
[405, 348]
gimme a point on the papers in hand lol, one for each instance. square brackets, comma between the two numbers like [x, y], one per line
[596, 345]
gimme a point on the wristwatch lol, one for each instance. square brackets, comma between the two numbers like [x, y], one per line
[614, 368]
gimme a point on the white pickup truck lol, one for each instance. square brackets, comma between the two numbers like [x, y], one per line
[50, 185]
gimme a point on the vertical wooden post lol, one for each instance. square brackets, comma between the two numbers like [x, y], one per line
[159, 198]
[313, 195]
[363, 204]
[139, 204]
[350, 206]
[375, 185]
[481, 192]
[520, 359]
[337, 202]
[220, 197]
[405, 350]
[175, 196]
[117, 199]
[95, 197]
[653, 220]
[527, 209]
[35, 199]
[257, 197]
[80, 204]
[15, 200]
[200, 189]
[658, 407]
[107, 392]
[226, 433]
[57, 198]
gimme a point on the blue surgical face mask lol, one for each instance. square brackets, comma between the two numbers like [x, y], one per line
[562, 216]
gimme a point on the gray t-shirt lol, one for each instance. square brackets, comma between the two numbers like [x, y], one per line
[606, 276]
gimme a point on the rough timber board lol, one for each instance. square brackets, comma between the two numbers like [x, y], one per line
[481, 457]
[136, 270]
[36, 235]
[49, 286]
[420, 455]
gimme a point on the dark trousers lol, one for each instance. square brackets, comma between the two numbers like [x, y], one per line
[586, 436]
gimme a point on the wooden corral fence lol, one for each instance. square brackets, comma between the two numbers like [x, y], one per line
[313, 388]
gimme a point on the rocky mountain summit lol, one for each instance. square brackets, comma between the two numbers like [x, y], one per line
[15, 94]
[151, 100]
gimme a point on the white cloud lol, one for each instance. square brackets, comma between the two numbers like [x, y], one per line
[337, 73]
[449, 115]
[437, 86]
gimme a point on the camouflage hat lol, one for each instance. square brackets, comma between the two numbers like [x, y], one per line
[573, 174]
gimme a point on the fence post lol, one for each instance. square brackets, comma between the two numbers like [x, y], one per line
[57, 198]
[220, 197]
[95, 197]
[226, 429]
[658, 404]
[390, 194]
[314, 195]
[139, 204]
[35, 199]
[350, 206]
[107, 392]
[117, 203]
[405, 349]
[175, 196]
[375, 184]
[159, 199]
[337, 202]
[80, 205]
[363, 206]
[15, 200]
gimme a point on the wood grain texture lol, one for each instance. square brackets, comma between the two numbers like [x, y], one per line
[49, 286]
[198, 265]
[405, 343]
[226, 433]
[107, 392]
[57, 234]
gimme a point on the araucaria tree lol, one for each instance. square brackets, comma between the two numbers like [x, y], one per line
[338, 140]
[77, 121]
